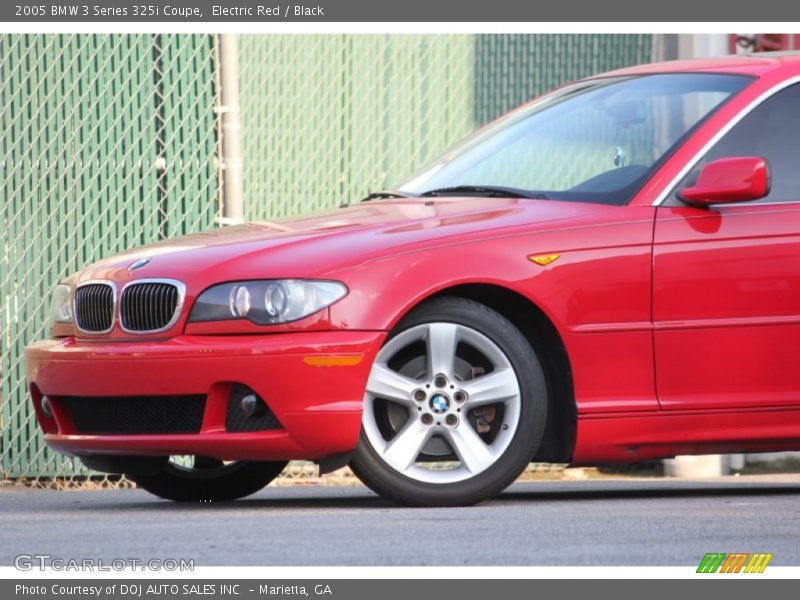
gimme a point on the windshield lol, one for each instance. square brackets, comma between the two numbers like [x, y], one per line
[593, 141]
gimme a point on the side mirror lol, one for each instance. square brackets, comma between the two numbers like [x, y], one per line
[738, 179]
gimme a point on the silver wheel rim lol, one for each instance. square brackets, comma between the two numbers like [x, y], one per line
[429, 397]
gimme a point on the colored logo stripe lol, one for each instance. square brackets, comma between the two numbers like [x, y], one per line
[711, 562]
[758, 563]
[734, 562]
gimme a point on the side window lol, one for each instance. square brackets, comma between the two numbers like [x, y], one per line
[772, 131]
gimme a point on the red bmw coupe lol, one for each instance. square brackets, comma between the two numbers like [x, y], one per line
[608, 274]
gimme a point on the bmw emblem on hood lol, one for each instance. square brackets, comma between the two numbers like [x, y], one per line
[139, 264]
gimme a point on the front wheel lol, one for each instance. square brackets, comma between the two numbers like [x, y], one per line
[203, 479]
[455, 407]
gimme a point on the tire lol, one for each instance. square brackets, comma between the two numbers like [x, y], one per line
[495, 369]
[208, 480]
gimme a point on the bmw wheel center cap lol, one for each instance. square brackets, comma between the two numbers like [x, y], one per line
[440, 403]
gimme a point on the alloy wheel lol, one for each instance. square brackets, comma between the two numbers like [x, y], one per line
[442, 403]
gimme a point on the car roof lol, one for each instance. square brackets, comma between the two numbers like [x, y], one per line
[746, 64]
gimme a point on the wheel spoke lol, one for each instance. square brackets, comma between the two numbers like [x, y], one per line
[390, 385]
[473, 453]
[402, 451]
[497, 386]
[441, 342]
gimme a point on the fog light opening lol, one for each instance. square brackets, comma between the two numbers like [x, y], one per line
[47, 407]
[252, 406]
[248, 411]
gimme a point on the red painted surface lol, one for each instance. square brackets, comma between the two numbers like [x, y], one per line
[680, 323]
[625, 438]
[319, 407]
[739, 179]
[726, 306]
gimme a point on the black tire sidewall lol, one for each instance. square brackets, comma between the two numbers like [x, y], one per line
[387, 482]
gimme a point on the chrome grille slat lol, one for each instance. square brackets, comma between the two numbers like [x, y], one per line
[140, 313]
[83, 308]
[148, 316]
[175, 296]
[94, 313]
[91, 306]
[160, 303]
[136, 299]
[147, 293]
[91, 324]
[159, 300]
[134, 308]
[151, 305]
[96, 298]
[88, 315]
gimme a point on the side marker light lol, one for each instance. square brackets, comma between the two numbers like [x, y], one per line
[543, 259]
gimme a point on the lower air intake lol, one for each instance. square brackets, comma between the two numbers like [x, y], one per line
[135, 414]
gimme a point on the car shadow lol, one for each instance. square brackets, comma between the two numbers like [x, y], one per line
[674, 490]
[260, 501]
[358, 498]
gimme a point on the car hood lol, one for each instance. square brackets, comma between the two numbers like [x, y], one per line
[321, 244]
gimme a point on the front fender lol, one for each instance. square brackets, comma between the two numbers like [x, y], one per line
[602, 276]
[596, 294]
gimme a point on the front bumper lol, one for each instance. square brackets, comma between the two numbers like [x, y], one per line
[312, 381]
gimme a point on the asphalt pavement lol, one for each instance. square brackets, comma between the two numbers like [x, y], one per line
[589, 522]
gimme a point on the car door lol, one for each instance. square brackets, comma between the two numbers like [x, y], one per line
[726, 279]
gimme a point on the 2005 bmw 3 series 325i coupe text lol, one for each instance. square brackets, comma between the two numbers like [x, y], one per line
[608, 274]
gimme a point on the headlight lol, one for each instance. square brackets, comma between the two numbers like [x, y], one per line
[61, 305]
[266, 302]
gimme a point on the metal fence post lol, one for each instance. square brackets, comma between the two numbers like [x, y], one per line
[230, 131]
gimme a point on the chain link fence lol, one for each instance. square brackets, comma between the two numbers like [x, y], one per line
[330, 118]
[113, 141]
[106, 142]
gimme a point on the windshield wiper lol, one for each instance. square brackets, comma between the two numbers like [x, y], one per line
[490, 191]
[382, 195]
